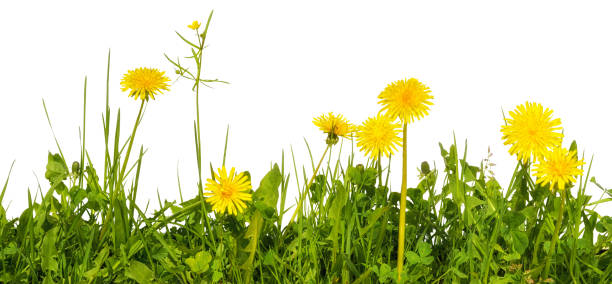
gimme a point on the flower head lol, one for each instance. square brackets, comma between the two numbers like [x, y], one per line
[144, 83]
[228, 192]
[378, 135]
[559, 167]
[407, 100]
[334, 125]
[531, 131]
[194, 26]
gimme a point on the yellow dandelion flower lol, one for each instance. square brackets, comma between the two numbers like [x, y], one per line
[378, 135]
[334, 125]
[407, 100]
[531, 131]
[194, 26]
[144, 83]
[559, 167]
[228, 192]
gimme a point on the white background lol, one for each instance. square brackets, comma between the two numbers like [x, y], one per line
[288, 63]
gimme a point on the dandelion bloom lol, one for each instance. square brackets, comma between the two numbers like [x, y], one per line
[228, 192]
[558, 168]
[531, 131]
[194, 26]
[407, 100]
[378, 135]
[144, 83]
[334, 125]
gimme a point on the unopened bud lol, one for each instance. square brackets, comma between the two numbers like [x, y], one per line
[76, 167]
[425, 168]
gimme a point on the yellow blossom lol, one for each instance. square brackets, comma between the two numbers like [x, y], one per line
[194, 26]
[228, 193]
[378, 135]
[408, 100]
[531, 131]
[144, 83]
[559, 167]
[334, 125]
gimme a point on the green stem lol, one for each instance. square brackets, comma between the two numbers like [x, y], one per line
[127, 155]
[314, 174]
[198, 61]
[492, 242]
[402, 212]
[555, 235]
[379, 170]
[120, 180]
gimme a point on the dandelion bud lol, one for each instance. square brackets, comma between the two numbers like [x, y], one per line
[425, 168]
[359, 167]
[76, 167]
[332, 139]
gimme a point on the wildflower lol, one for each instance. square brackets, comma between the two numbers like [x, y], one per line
[144, 83]
[407, 100]
[531, 131]
[228, 192]
[335, 126]
[559, 167]
[194, 26]
[378, 135]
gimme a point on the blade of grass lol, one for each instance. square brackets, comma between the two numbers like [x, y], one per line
[6, 183]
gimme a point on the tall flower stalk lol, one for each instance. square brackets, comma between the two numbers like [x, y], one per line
[196, 56]
[335, 126]
[143, 83]
[406, 100]
[558, 169]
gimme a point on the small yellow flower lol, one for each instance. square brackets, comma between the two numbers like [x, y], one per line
[228, 192]
[334, 125]
[144, 83]
[407, 100]
[194, 26]
[378, 135]
[531, 131]
[559, 167]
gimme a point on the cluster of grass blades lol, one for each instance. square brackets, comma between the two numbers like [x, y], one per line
[462, 226]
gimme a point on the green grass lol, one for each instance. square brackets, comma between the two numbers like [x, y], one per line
[462, 226]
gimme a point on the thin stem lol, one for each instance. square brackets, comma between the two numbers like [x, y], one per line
[314, 174]
[555, 235]
[379, 170]
[402, 212]
[120, 180]
[127, 155]
[198, 61]
[493, 240]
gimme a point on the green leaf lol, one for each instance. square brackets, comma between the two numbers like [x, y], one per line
[139, 272]
[217, 276]
[267, 193]
[200, 263]
[519, 241]
[48, 280]
[423, 248]
[373, 218]
[412, 258]
[427, 260]
[513, 219]
[574, 147]
[265, 196]
[93, 273]
[56, 169]
[269, 258]
[471, 202]
[335, 212]
[49, 252]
